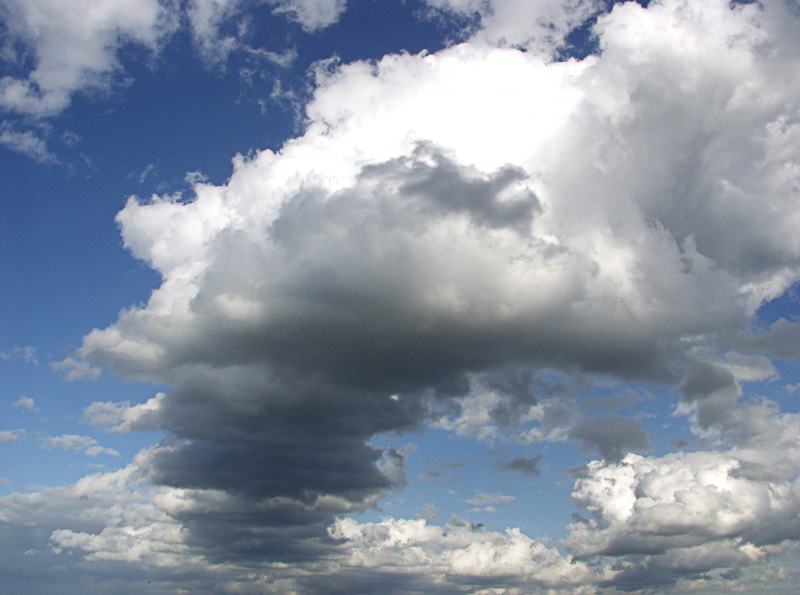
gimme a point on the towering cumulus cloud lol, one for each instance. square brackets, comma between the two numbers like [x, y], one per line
[451, 229]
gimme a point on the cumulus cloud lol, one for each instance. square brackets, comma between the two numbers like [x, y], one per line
[452, 231]
[386, 264]
[123, 418]
[422, 557]
[691, 513]
[26, 403]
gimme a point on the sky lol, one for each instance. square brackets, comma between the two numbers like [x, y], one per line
[400, 296]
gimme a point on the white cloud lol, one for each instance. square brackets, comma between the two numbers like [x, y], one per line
[74, 47]
[27, 143]
[9, 436]
[77, 369]
[438, 555]
[76, 443]
[447, 218]
[312, 15]
[538, 26]
[123, 418]
[26, 403]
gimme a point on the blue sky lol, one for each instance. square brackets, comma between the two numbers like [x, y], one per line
[419, 296]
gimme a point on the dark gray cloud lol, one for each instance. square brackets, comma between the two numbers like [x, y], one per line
[524, 465]
[612, 437]
[781, 340]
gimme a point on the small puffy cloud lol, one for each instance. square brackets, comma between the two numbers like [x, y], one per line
[77, 369]
[612, 437]
[26, 403]
[10, 436]
[123, 418]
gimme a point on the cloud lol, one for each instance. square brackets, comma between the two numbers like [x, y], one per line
[387, 266]
[26, 403]
[220, 27]
[115, 521]
[26, 353]
[422, 557]
[10, 436]
[62, 50]
[312, 15]
[75, 442]
[539, 26]
[77, 369]
[781, 340]
[123, 418]
[74, 47]
[451, 232]
[482, 498]
[690, 513]
[525, 465]
[612, 437]
[26, 143]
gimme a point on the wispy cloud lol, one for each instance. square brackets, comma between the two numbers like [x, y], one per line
[26, 354]
[77, 443]
[26, 143]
